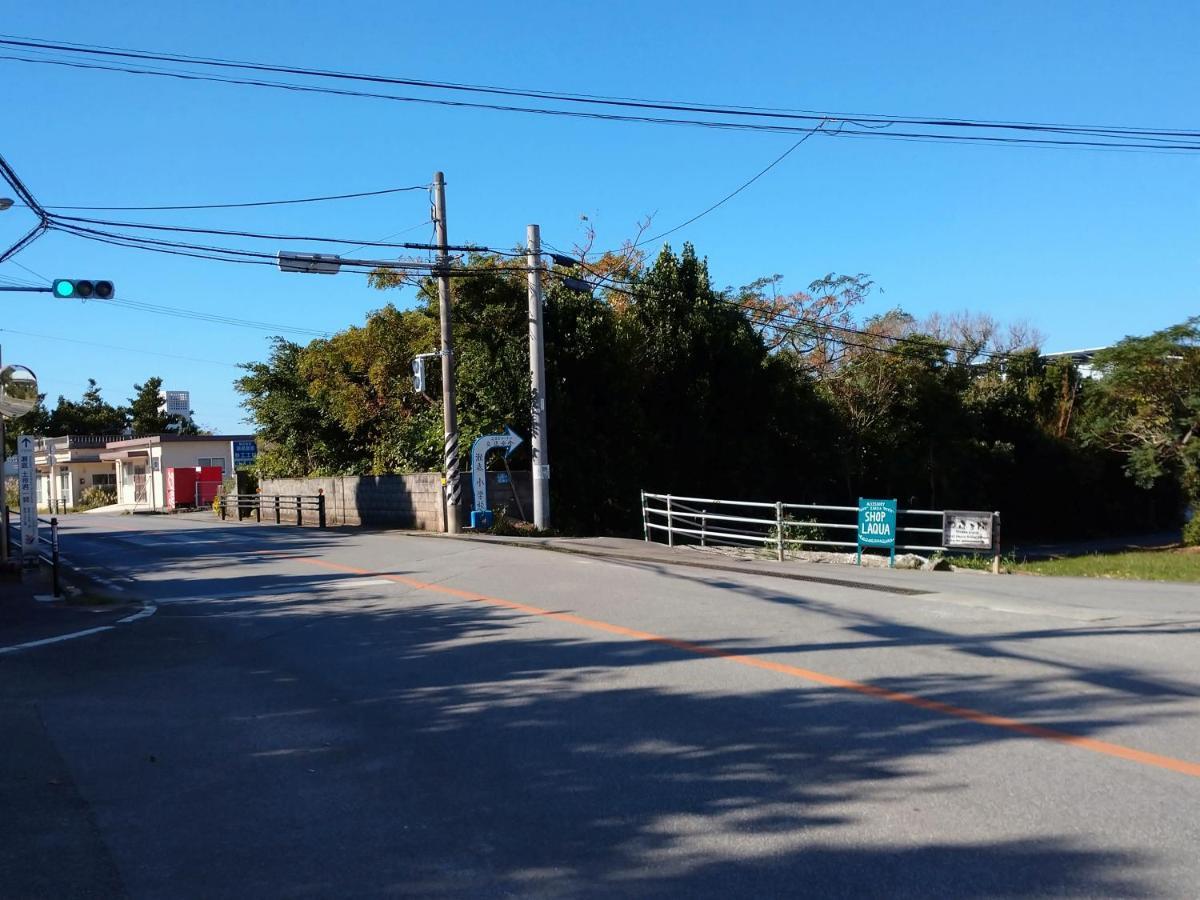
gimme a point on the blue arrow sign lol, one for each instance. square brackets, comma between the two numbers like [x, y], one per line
[508, 442]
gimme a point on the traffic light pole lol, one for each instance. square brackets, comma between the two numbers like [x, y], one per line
[538, 444]
[450, 417]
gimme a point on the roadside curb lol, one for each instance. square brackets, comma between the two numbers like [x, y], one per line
[621, 556]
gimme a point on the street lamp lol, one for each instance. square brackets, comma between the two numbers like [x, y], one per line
[5, 203]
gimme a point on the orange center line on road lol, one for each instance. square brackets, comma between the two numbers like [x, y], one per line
[961, 712]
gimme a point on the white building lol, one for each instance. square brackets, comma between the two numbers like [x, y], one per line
[69, 465]
[141, 463]
[1083, 359]
[175, 403]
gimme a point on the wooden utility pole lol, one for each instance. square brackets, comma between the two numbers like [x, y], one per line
[449, 416]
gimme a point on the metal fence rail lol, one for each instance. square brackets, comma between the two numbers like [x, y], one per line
[781, 526]
[243, 506]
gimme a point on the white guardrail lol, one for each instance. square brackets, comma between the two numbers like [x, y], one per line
[780, 525]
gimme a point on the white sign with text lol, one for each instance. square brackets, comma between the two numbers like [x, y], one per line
[27, 484]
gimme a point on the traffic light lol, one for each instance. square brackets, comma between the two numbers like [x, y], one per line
[418, 367]
[83, 289]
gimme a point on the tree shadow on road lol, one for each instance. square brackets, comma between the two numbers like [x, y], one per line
[346, 746]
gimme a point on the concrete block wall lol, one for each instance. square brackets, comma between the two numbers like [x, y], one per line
[397, 501]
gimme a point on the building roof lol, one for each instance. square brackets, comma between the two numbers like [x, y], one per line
[1085, 354]
[151, 439]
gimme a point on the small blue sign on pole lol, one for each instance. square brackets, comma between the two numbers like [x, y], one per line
[244, 452]
[877, 526]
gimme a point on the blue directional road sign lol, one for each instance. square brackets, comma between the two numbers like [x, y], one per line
[508, 442]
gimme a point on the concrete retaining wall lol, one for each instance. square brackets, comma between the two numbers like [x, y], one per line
[398, 501]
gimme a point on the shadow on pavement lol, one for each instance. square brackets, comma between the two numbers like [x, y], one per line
[339, 744]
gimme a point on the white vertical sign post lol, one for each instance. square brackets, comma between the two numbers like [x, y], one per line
[27, 482]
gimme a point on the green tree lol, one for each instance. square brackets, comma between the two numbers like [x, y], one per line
[91, 414]
[659, 381]
[1146, 406]
[298, 435]
[362, 379]
[148, 416]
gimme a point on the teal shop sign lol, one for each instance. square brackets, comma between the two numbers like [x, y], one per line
[877, 526]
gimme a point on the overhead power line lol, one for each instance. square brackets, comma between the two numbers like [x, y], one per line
[792, 322]
[379, 193]
[734, 117]
[583, 99]
[700, 215]
[181, 312]
[256, 235]
[240, 255]
[14, 181]
[55, 337]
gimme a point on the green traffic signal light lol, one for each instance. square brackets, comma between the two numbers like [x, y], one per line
[83, 289]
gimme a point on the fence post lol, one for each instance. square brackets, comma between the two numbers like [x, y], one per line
[299, 512]
[222, 506]
[703, 526]
[645, 524]
[276, 509]
[779, 527]
[996, 543]
[321, 507]
[54, 556]
[258, 506]
[670, 524]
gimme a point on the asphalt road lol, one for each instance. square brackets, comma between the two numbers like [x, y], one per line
[337, 713]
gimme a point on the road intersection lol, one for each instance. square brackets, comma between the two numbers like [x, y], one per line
[340, 712]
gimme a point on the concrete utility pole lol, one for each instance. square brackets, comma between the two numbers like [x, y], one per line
[539, 447]
[450, 417]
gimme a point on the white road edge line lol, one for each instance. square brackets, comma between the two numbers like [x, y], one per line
[54, 640]
[145, 612]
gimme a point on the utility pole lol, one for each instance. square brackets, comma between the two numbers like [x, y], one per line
[539, 447]
[449, 416]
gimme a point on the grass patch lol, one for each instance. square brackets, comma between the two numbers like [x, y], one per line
[506, 526]
[979, 563]
[1147, 565]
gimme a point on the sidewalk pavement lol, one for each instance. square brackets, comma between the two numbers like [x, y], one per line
[1078, 599]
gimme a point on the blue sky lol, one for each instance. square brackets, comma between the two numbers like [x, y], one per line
[1086, 246]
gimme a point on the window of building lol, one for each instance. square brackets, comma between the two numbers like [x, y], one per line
[212, 461]
[104, 479]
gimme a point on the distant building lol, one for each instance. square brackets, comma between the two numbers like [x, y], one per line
[1083, 360]
[132, 467]
[175, 403]
[142, 461]
[68, 465]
